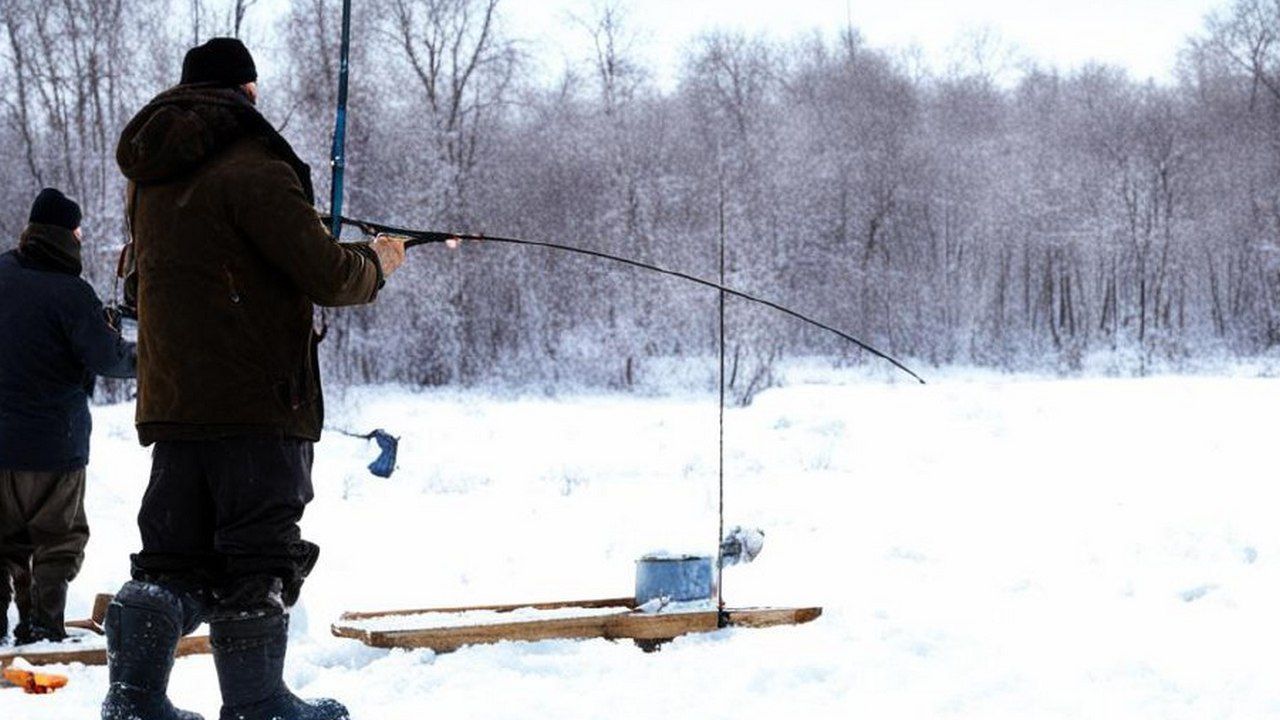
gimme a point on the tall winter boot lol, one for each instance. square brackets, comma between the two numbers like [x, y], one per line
[143, 625]
[248, 651]
[45, 621]
[6, 594]
[15, 578]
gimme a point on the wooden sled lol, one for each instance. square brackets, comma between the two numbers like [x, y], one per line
[91, 648]
[648, 630]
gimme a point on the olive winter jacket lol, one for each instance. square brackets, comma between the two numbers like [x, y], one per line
[228, 257]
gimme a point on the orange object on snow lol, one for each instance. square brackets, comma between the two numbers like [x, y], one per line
[35, 683]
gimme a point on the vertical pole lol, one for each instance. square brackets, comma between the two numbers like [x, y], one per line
[720, 532]
[337, 156]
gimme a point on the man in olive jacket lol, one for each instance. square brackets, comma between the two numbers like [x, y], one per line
[54, 342]
[229, 257]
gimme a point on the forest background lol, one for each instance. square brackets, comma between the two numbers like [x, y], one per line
[997, 212]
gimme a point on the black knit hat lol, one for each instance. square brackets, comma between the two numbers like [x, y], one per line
[53, 208]
[224, 61]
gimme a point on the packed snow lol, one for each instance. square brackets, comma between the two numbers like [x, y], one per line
[984, 547]
[76, 641]
[475, 618]
[666, 606]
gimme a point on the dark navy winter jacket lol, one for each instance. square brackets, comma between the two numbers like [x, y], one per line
[54, 340]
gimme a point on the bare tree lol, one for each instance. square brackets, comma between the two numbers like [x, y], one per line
[73, 88]
[1248, 36]
[464, 69]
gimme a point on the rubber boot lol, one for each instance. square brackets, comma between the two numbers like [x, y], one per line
[10, 587]
[248, 651]
[46, 621]
[143, 625]
[21, 574]
[15, 588]
[6, 593]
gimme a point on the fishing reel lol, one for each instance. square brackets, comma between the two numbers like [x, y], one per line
[740, 546]
[122, 314]
[123, 318]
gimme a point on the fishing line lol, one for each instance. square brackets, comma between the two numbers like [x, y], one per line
[414, 238]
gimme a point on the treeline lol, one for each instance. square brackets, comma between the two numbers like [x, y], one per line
[948, 218]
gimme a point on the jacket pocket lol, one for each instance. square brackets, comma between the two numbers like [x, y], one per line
[302, 388]
[233, 289]
[288, 393]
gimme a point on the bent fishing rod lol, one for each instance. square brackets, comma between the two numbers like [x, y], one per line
[414, 238]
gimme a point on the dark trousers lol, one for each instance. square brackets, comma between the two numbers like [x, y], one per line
[43, 533]
[219, 521]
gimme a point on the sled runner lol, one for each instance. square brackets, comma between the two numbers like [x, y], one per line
[86, 643]
[447, 629]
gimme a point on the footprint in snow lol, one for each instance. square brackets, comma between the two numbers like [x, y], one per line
[1196, 593]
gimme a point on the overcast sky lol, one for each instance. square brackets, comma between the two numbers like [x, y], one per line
[1143, 36]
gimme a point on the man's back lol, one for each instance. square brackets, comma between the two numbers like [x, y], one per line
[230, 255]
[46, 318]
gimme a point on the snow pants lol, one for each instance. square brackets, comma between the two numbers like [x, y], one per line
[43, 533]
[219, 522]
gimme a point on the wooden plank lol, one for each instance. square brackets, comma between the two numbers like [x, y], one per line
[100, 604]
[770, 617]
[628, 602]
[661, 626]
[89, 625]
[449, 639]
[351, 633]
[193, 645]
[631, 625]
[96, 617]
[190, 645]
[88, 656]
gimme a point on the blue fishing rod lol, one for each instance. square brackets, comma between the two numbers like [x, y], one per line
[338, 152]
[385, 464]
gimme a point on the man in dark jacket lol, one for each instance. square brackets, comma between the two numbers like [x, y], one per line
[54, 341]
[229, 256]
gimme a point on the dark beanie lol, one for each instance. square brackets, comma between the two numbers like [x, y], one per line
[224, 61]
[53, 208]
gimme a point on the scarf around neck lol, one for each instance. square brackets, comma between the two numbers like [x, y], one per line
[52, 246]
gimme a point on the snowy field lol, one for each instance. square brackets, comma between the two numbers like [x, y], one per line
[984, 546]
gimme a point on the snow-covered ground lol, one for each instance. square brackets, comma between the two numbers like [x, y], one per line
[984, 547]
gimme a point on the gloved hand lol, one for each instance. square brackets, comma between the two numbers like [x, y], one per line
[741, 545]
[116, 313]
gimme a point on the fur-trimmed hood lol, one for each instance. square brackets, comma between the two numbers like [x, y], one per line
[185, 126]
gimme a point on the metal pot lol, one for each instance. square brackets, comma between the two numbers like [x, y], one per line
[679, 578]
